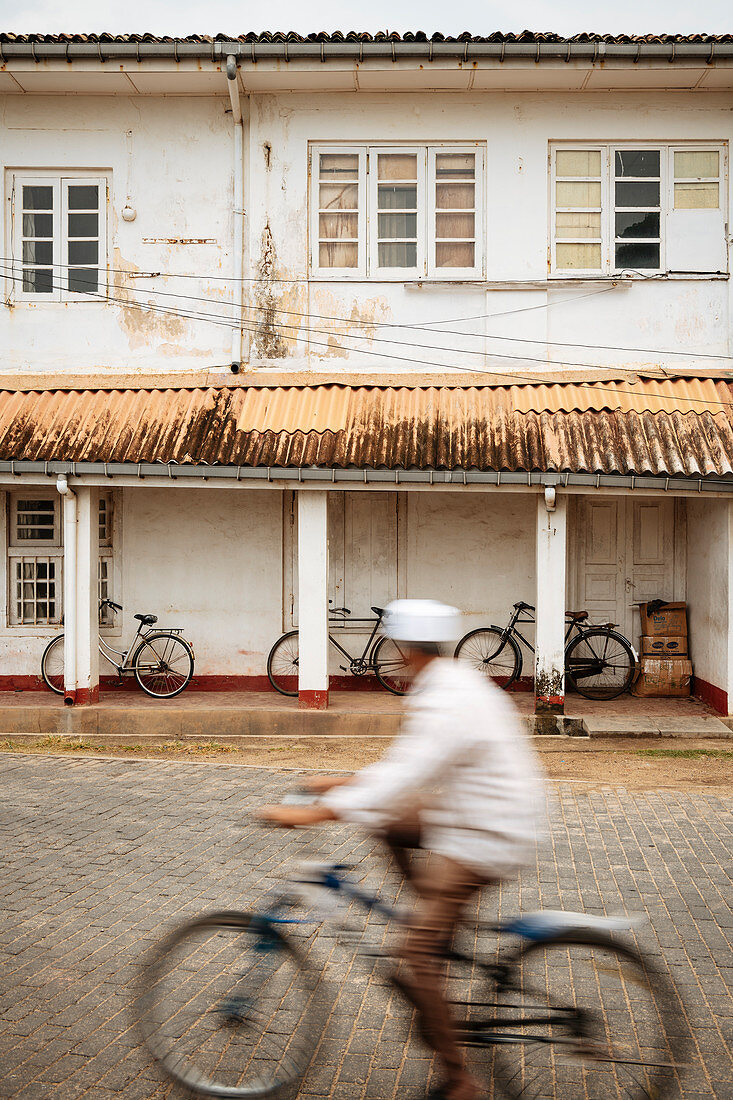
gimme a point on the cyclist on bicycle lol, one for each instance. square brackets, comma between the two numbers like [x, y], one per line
[460, 781]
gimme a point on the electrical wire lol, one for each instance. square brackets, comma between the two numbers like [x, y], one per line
[231, 323]
[421, 327]
[14, 261]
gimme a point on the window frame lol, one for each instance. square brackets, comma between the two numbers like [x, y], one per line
[315, 211]
[18, 550]
[60, 181]
[608, 149]
[369, 269]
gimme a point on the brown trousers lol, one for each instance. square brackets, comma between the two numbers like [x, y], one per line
[443, 888]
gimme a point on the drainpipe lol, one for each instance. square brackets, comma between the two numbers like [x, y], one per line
[237, 207]
[68, 498]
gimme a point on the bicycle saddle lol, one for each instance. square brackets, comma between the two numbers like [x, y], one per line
[576, 616]
[522, 606]
[147, 620]
[378, 610]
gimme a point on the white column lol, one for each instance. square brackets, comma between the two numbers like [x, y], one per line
[81, 601]
[549, 673]
[313, 599]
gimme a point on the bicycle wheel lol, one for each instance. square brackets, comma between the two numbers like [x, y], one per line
[390, 665]
[283, 663]
[600, 663]
[227, 1008]
[493, 653]
[163, 665]
[52, 664]
[589, 1018]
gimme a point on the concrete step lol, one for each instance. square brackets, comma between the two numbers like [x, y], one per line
[703, 725]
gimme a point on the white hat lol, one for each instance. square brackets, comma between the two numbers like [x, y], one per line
[422, 621]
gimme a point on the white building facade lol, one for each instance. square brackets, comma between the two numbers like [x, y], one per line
[354, 318]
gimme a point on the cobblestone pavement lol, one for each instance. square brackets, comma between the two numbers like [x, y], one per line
[99, 855]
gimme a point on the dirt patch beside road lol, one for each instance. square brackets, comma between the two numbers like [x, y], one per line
[635, 764]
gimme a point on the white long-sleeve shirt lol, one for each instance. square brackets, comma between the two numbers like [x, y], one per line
[463, 753]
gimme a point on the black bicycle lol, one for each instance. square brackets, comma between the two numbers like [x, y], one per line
[381, 656]
[233, 1004]
[599, 662]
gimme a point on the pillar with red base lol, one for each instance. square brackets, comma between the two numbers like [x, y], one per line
[551, 548]
[313, 599]
[81, 598]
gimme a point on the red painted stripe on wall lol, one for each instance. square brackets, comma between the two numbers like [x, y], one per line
[714, 696]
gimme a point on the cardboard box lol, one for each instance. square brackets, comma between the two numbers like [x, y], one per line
[670, 620]
[663, 646]
[662, 677]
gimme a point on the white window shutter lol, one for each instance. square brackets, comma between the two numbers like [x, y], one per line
[696, 241]
[696, 236]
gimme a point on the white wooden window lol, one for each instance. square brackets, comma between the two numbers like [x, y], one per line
[419, 217]
[649, 208]
[338, 226]
[59, 237]
[36, 557]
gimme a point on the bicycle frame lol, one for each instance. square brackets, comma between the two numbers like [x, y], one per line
[511, 628]
[125, 667]
[328, 880]
[368, 648]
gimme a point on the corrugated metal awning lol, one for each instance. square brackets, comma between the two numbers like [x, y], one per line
[676, 427]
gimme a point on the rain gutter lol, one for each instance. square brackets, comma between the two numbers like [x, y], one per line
[357, 51]
[322, 477]
[237, 207]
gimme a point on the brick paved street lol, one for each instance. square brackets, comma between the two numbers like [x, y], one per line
[98, 855]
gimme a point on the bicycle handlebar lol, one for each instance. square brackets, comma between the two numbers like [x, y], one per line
[111, 603]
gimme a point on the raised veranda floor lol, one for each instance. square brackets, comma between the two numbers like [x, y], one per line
[217, 715]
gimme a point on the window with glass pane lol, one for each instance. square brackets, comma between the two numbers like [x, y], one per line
[455, 210]
[696, 179]
[38, 202]
[637, 203]
[338, 210]
[82, 237]
[397, 209]
[105, 521]
[35, 520]
[59, 236]
[578, 189]
[35, 590]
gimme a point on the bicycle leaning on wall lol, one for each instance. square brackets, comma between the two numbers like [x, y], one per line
[380, 655]
[160, 660]
[599, 662]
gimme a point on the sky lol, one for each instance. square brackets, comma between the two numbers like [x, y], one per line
[181, 17]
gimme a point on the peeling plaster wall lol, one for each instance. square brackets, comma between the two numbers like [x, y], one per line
[708, 590]
[171, 159]
[674, 314]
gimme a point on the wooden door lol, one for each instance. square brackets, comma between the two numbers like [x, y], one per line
[625, 553]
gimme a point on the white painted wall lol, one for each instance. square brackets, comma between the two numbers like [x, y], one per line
[687, 314]
[708, 594]
[474, 552]
[211, 562]
[171, 158]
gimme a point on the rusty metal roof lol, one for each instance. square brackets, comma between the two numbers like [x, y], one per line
[677, 427]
